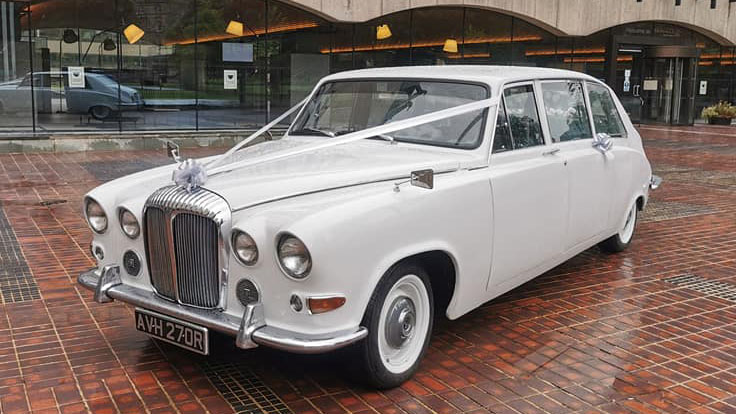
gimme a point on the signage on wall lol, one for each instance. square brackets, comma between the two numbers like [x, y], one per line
[627, 80]
[230, 79]
[237, 52]
[76, 76]
[703, 87]
[650, 85]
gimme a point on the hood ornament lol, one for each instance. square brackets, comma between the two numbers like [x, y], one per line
[190, 174]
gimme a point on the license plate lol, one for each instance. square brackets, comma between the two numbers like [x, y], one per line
[184, 334]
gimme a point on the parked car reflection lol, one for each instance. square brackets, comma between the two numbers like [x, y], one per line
[102, 97]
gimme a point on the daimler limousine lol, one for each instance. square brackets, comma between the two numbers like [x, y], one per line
[396, 195]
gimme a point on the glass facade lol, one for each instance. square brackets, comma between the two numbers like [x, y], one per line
[231, 64]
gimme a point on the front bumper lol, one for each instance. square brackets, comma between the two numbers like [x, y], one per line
[250, 330]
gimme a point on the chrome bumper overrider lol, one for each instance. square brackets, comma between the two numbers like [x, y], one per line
[249, 331]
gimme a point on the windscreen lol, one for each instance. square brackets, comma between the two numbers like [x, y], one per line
[342, 107]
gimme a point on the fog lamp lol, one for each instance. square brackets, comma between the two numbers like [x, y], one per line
[247, 292]
[131, 263]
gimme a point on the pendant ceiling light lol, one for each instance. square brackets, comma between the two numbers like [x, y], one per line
[133, 33]
[70, 36]
[234, 28]
[383, 32]
[450, 46]
[108, 44]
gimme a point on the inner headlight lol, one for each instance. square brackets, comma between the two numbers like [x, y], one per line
[96, 217]
[245, 248]
[294, 257]
[129, 224]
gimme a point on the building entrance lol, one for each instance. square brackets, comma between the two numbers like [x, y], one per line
[658, 85]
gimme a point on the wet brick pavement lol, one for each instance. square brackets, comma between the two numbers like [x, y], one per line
[651, 330]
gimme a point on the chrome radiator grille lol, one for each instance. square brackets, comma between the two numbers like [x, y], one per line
[184, 246]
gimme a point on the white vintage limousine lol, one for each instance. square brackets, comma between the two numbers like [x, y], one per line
[396, 195]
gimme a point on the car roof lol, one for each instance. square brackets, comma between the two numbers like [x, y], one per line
[489, 74]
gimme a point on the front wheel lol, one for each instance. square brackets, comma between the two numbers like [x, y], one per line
[621, 240]
[399, 321]
[100, 112]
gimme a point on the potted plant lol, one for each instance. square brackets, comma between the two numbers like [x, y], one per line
[719, 114]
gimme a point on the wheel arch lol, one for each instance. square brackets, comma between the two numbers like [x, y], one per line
[441, 267]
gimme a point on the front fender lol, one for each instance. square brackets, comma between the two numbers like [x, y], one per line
[355, 235]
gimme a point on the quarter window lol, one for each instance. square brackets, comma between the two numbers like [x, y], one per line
[567, 116]
[522, 118]
[605, 114]
[502, 137]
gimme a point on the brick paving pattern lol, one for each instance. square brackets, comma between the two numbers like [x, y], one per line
[651, 330]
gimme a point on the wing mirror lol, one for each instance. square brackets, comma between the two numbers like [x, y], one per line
[172, 150]
[602, 142]
[422, 179]
[418, 178]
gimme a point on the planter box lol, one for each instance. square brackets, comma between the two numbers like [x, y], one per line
[719, 121]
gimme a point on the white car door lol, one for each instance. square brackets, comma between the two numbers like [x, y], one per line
[529, 186]
[590, 172]
[620, 159]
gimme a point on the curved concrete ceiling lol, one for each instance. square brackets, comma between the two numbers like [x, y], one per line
[561, 17]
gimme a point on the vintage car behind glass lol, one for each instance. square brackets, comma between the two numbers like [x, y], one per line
[397, 195]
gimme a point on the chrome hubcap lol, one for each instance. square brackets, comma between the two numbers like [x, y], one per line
[400, 322]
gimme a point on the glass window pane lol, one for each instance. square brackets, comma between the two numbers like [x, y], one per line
[383, 42]
[231, 44]
[432, 45]
[16, 104]
[346, 106]
[521, 108]
[299, 55]
[502, 137]
[487, 37]
[567, 116]
[160, 66]
[605, 114]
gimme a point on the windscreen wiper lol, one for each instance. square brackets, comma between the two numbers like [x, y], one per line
[324, 132]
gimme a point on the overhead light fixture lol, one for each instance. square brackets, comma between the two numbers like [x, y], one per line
[69, 36]
[383, 32]
[108, 44]
[234, 28]
[133, 33]
[450, 46]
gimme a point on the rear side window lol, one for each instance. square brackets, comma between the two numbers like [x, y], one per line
[564, 104]
[605, 114]
[518, 125]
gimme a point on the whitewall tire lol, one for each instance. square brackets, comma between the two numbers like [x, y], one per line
[399, 321]
[621, 240]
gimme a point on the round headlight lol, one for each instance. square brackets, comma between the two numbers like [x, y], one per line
[129, 224]
[294, 257]
[245, 248]
[96, 217]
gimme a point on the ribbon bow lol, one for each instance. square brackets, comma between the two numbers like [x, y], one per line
[602, 142]
[190, 175]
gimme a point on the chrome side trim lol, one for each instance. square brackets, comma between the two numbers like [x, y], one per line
[250, 330]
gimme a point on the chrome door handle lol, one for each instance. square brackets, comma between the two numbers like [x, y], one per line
[553, 151]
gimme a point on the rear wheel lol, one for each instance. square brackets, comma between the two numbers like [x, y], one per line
[399, 321]
[100, 112]
[621, 240]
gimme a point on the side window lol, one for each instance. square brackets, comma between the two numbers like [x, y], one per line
[502, 137]
[523, 119]
[567, 116]
[605, 114]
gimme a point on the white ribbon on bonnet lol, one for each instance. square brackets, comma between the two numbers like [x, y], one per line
[196, 171]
